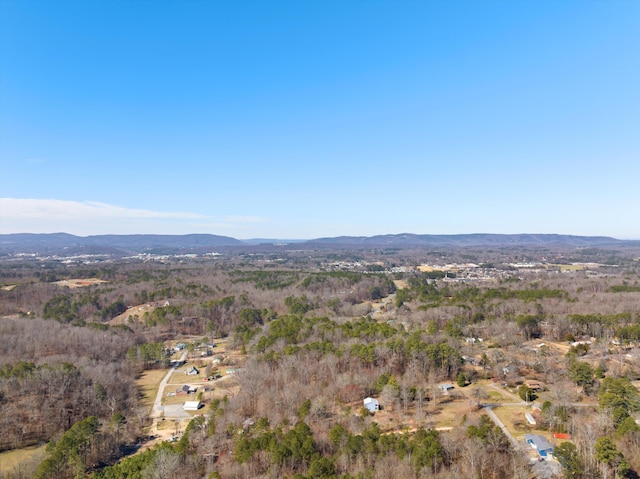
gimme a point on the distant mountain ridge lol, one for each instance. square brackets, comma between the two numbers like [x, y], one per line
[68, 244]
[118, 245]
[475, 239]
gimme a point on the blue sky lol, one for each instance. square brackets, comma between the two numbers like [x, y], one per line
[303, 119]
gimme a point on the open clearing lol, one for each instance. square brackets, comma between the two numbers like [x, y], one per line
[139, 311]
[400, 283]
[12, 460]
[79, 282]
[515, 421]
[445, 415]
[148, 383]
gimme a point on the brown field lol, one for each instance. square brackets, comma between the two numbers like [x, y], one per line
[79, 283]
[496, 397]
[134, 311]
[494, 391]
[400, 283]
[513, 418]
[13, 460]
[447, 414]
[423, 268]
[563, 347]
[450, 414]
[148, 383]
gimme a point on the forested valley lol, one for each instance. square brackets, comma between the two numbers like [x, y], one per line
[287, 346]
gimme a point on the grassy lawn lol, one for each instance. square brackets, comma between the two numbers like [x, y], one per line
[12, 460]
[148, 383]
[513, 418]
[495, 396]
[494, 393]
[451, 413]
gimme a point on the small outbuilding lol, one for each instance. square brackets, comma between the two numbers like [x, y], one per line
[371, 404]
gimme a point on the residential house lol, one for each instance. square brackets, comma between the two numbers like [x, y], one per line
[540, 444]
[183, 390]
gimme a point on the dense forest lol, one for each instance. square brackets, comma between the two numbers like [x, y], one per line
[307, 336]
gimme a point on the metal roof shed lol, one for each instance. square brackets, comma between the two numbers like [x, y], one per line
[192, 405]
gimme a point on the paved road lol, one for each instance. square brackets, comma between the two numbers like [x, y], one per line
[514, 442]
[158, 408]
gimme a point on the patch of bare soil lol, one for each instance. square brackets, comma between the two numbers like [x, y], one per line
[79, 283]
[139, 311]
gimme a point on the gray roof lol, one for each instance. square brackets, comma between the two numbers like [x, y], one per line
[540, 442]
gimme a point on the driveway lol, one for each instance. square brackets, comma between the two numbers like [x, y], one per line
[176, 411]
[158, 409]
[514, 442]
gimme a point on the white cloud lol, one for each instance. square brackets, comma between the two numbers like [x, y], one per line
[18, 208]
[18, 215]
